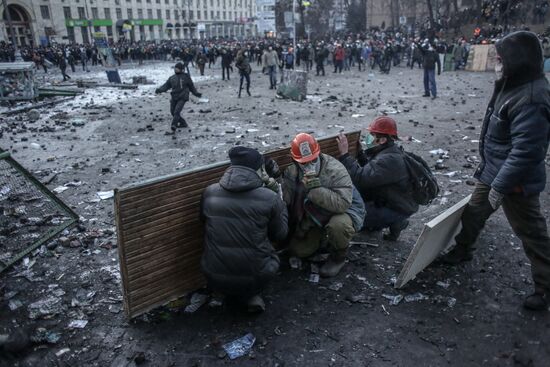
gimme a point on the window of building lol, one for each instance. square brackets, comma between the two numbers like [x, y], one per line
[159, 15]
[118, 13]
[218, 15]
[218, 3]
[183, 14]
[148, 1]
[224, 16]
[45, 11]
[167, 13]
[67, 12]
[211, 14]
[190, 3]
[107, 12]
[109, 32]
[128, 1]
[150, 13]
[167, 2]
[190, 14]
[198, 14]
[157, 1]
[140, 13]
[95, 13]
[81, 13]
[176, 15]
[130, 13]
[117, 2]
[70, 34]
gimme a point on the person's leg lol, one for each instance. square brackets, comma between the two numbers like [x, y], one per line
[339, 231]
[525, 218]
[426, 83]
[433, 86]
[247, 76]
[473, 219]
[241, 84]
[377, 218]
[305, 245]
[223, 72]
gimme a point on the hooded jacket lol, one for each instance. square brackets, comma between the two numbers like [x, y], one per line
[382, 177]
[241, 218]
[516, 128]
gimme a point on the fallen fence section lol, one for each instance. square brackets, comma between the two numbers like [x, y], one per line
[30, 214]
[160, 236]
[436, 237]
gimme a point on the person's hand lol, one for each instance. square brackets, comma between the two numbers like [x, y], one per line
[157, 91]
[199, 95]
[495, 198]
[272, 168]
[311, 182]
[342, 141]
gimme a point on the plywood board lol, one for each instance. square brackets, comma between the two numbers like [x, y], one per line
[160, 236]
[436, 236]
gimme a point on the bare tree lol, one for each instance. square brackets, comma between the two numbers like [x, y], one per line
[431, 13]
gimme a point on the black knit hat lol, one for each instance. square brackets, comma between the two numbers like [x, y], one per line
[179, 65]
[248, 157]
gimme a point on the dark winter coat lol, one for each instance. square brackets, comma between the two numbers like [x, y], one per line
[516, 129]
[180, 84]
[382, 178]
[430, 59]
[241, 62]
[241, 218]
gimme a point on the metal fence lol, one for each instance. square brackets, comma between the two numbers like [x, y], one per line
[30, 214]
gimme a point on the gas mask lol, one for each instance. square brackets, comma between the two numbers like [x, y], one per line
[368, 141]
[311, 168]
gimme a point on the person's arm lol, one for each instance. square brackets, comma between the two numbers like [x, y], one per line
[164, 88]
[529, 130]
[278, 223]
[336, 198]
[438, 62]
[192, 88]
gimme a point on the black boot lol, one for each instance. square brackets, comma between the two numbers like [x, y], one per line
[334, 264]
[536, 302]
[395, 230]
[459, 254]
[248, 92]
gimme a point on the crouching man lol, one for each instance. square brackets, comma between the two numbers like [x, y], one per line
[381, 176]
[242, 217]
[319, 194]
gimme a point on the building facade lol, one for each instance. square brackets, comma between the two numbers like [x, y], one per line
[64, 21]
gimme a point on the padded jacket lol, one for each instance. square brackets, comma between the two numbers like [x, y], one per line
[241, 218]
[382, 178]
[180, 84]
[516, 129]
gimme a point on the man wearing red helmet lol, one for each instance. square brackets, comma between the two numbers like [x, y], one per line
[382, 178]
[323, 212]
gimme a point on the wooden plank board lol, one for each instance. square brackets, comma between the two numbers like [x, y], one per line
[160, 236]
[436, 236]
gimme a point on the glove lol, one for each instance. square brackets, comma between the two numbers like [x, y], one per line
[157, 91]
[272, 185]
[272, 168]
[495, 198]
[311, 182]
[199, 95]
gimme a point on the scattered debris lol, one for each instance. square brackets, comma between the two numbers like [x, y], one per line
[197, 300]
[239, 347]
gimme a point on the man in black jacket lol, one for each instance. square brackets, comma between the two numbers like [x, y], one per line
[243, 215]
[430, 60]
[381, 176]
[513, 145]
[181, 84]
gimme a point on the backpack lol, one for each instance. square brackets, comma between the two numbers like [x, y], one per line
[423, 183]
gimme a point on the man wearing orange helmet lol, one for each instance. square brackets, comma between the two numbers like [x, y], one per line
[381, 176]
[322, 208]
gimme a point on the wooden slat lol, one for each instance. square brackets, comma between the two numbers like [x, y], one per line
[161, 237]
